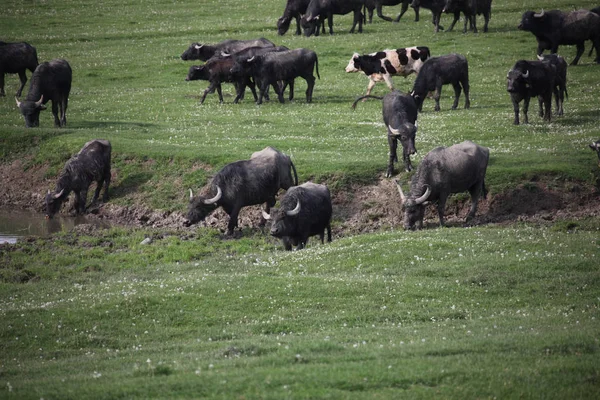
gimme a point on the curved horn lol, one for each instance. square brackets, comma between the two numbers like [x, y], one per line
[416, 124]
[223, 54]
[251, 59]
[191, 195]
[540, 57]
[198, 47]
[395, 132]
[540, 15]
[422, 199]
[295, 211]
[57, 195]
[18, 102]
[39, 102]
[526, 74]
[402, 196]
[216, 198]
[266, 215]
[309, 18]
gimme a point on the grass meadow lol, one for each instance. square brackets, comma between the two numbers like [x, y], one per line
[493, 311]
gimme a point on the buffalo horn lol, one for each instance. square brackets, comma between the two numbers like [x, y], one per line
[251, 59]
[223, 54]
[216, 198]
[266, 215]
[540, 15]
[416, 124]
[39, 102]
[18, 102]
[540, 57]
[295, 211]
[402, 196]
[526, 74]
[395, 132]
[422, 199]
[57, 195]
[191, 195]
[198, 47]
[309, 18]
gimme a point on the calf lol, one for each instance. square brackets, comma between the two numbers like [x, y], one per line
[596, 147]
[283, 66]
[560, 81]
[204, 52]
[16, 58]
[216, 71]
[318, 9]
[305, 211]
[437, 71]
[470, 9]
[243, 183]
[92, 163]
[531, 78]
[436, 7]
[443, 171]
[387, 63]
[400, 118]
[50, 81]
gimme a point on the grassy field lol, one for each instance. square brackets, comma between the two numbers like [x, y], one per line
[490, 311]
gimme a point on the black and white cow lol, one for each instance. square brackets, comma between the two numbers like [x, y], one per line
[92, 163]
[243, 183]
[284, 66]
[443, 171]
[528, 79]
[382, 65]
[319, 9]
[16, 58]
[50, 81]
[203, 52]
[304, 211]
[438, 71]
[400, 119]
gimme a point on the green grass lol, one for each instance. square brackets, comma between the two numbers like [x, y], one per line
[492, 311]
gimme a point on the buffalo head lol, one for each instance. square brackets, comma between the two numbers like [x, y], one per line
[530, 21]
[197, 72]
[414, 207]
[283, 24]
[31, 111]
[53, 202]
[199, 207]
[517, 81]
[283, 221]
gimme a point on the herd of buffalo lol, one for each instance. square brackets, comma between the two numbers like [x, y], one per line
[305, 210]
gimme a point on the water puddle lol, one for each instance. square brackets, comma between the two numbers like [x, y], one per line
[18, 224]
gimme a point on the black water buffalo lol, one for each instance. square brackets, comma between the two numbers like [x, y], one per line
[318, 9]
[436, 7]
[470, 9]
[400, 118]
[387, 63]
[243, 183]
[284, 66]
[443, 171]
[50, 81]
[203, 52]
[438, 71]
[560, 81]
[294, 9]
[304, 211]
[377, 5]
[596, 147]
[531, 78]
[92, 163]
[16, 58]
[553, 28]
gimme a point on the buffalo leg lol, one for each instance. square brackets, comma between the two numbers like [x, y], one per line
[541, 104]
[310, 81]
[456, 87]
[302, 242]
[437, 95]
[486, 18]
[516, 109]
[466, 89]
[287, 244]
[402, 11]
[525, 109]
[474, 22]
[210, 89]
[580, 50]
[298, 30]
[441, 207]
[233, 220]
[63, 111]
[23, 79]
[406, 159]
[80, 200]
[263, 88]
[475, 194]
[291, 85]
[456, 17]
[2, 93]
[380, 13]
[329, 232]
[393, 155]
[279, 92]
[55, 113]
[106, 185]
[330, 23]
[548, 106]
[97, 191]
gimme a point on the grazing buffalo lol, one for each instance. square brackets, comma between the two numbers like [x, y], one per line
[531, 78]
[553, 28]
[318, 9]
[50, 81]
[203, 52]
[596, 147]
[400, 118]
[437, 71]
[284, 66]
[377, 5]
[294, 9]
[436, 7]
[15, 58]
[243, 183]
[470, 9]
[92, 163]
[305, 211]
[560, 81]
[443, 171]
[387, 63]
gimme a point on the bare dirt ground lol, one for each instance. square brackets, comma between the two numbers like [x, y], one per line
[359, 209]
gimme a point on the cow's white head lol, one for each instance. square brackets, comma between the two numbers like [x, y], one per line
[351, 67]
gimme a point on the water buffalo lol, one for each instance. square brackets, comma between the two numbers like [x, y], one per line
[50, 81]
[294, 9]
[305, 211]
[531, 78]
[243, 183]
[203, 52]
[92, 163]
[560, 81]
[437, 71]
[470, 9]
[318, 9]
[400, 118]
[377, 5]
[553, 28]
[436, 7]
[443, 171]
[16, 58]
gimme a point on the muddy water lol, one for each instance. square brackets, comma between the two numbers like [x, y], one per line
[17, 224]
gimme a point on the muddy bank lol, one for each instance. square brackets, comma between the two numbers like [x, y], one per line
[359, 209]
